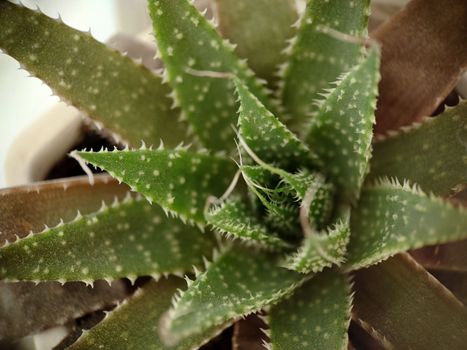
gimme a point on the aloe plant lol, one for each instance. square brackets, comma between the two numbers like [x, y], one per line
[281, 204]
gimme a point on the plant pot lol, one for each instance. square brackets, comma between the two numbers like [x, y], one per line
[53, 135]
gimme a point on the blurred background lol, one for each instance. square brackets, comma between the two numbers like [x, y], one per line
[24, 99]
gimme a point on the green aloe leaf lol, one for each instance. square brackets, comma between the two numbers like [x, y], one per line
[234, 219]
[123, 96]
[317, 58]
[388, 220]
[302, 184]
[267, 137]
[128, 239]
[432, 153]
[268, 192]
[188, 44]
[135, 323]
[408, 307]
[342, 130]
[320, 250]
[278, 190]
[46, 203]
[178, 180]
[316, 316]
[238, 283]
[246, 23]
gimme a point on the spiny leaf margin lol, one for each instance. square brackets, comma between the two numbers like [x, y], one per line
[388, 218]
[127, 239]
[178, 180]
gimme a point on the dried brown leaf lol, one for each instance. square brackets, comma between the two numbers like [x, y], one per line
[424, 52]
[30, 207]
[455, 281]
[24, 307]
[400, 300]
[247, 334]
[361, 338]
[450, 256]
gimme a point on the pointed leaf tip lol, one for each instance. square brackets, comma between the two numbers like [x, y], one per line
[236, 284]
[196, 59]
[341, 131]
[235, 219]
[267, 136]
[317, 57]
[320, 250]
[178, 180]
[126, 239]
[397, 213]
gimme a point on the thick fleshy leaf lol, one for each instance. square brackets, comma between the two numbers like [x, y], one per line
[391, 218]
[316, 316]
[342, 130]
[432, 154]
[123, 96]
[135, 324]
[128, 239]
[267, 137]
[48, 202]
[272, 200]
[26, 308]
[320, 250]
[407, 306]
[178, 180]
[447, 257]
[32, 308]
[247, 23]
[422, 60]
[240, 282]
[234, 219]
[302, 183]
[188, 44]
[317, 57]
